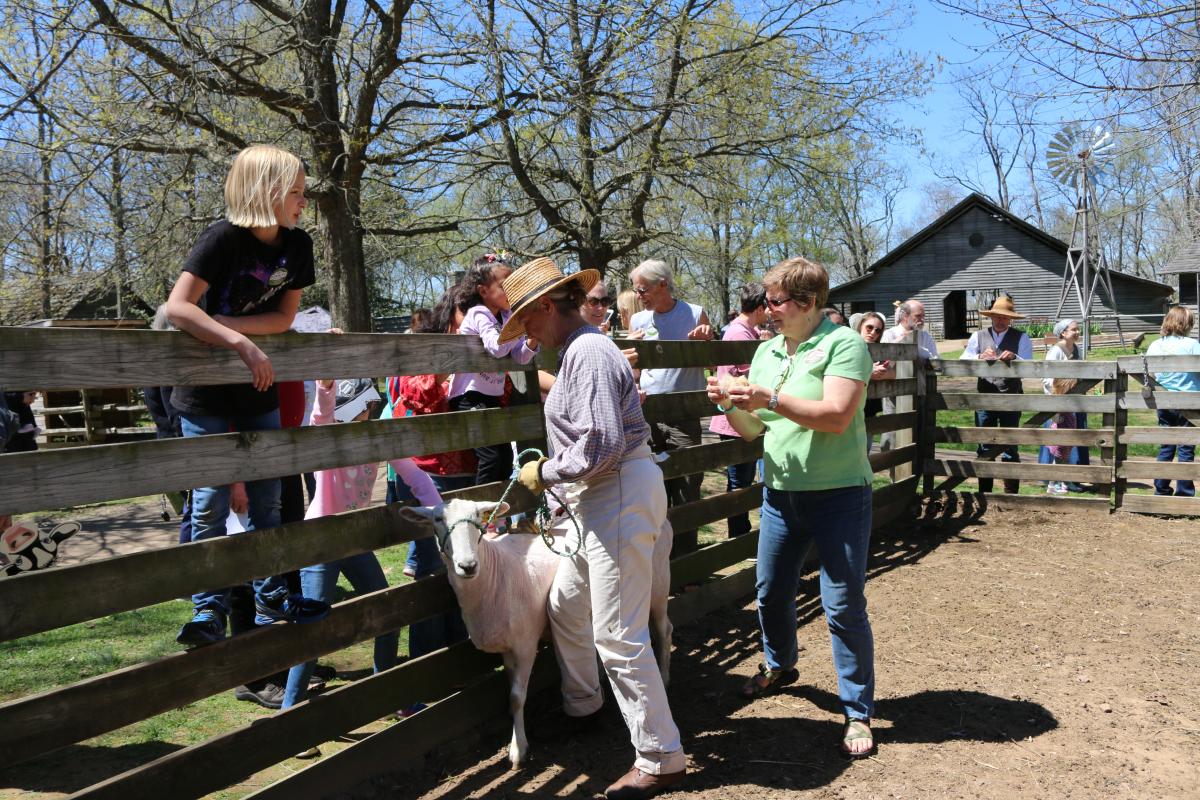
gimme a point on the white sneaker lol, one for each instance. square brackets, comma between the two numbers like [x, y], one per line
[1058, 487]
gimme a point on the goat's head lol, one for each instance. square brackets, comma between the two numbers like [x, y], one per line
[458, 526]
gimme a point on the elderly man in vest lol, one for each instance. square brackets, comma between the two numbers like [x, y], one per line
[999, 342]
[664, 318]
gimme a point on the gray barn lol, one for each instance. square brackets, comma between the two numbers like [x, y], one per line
[972, 253]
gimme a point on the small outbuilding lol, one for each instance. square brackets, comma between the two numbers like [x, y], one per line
[976, 251]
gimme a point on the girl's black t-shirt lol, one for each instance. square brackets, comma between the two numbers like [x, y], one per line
[244, 277]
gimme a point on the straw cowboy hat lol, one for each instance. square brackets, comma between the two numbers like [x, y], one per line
[532, 281]
[1003, 307]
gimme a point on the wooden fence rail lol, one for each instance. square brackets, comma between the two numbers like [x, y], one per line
[41, 601]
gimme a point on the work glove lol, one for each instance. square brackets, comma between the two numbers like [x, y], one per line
[531, 476]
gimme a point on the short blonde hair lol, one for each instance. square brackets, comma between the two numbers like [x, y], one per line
[802, 279]
[1063, 385]
[627, 304]
[1177, 322]
[258, 180]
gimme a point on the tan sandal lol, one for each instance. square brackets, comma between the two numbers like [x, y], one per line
[857, 730]
[767, 681]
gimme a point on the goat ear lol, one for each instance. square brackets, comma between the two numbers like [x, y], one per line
[485, 506]
[421, 515]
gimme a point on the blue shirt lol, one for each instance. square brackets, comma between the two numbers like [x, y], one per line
[1176, 346]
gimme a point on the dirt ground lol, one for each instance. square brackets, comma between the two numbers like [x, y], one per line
[1017, 655]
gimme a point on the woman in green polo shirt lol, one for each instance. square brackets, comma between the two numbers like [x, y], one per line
[806, 391]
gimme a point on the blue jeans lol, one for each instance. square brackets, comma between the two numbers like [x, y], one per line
[442, 630]
[318, 582]
[1079, 455]
[839, 521]
[1185, 453]
[739, 476]
[210, 504]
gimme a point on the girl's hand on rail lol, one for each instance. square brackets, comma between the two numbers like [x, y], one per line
[260, 366]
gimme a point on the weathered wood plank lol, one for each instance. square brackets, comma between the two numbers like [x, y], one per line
[700, 564]
[1089, 437]
[677, 406]
[894, 388]
[106, 472]
[1175, 401]
[1136, 365]
[202, 768]
[1156, 504]
[658, 353]
[690, 606]
[715, 455]
[894, 351]
[62, 358]
[690, 516]
[969, 468]
[970, 401]
[107, 702]
[967, 368]
[882, 423]
[1161, 435]
[1160, 469]
[885, 495]
[47, 599]
[887, 459]
[1026, 502]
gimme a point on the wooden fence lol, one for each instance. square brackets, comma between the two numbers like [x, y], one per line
[1102, 388]
[35, 725]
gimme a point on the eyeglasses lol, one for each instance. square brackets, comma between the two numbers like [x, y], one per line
[640, 290]
[776, 303]
[596, 302]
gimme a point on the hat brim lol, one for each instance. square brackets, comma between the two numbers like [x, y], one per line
[352, 409]
[514, 328]
[1013, 315]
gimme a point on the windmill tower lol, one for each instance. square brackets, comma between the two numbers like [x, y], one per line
[1076, 158]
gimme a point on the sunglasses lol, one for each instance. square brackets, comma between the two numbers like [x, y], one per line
[777, 303]
[596, 302]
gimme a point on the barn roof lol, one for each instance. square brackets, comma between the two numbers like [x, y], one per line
[1187, 260]
[976, 200]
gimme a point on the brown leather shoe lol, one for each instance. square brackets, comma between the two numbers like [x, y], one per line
[636, 784]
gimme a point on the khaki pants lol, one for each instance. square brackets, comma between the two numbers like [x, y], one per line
[602, 595]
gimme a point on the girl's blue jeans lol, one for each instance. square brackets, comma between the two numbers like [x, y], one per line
[318, 582]
[838, 522]
[210, 505]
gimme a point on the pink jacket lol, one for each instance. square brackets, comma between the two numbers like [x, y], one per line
[346, 488]
[736, 331]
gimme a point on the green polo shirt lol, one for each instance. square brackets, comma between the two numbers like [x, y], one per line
[797, 459]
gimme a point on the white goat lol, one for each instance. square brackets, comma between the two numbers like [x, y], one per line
[503, 587]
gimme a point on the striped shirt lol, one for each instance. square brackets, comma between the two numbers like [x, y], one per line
[593, 415]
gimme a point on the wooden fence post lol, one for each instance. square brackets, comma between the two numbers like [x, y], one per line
[927, 389]
[1118, 454]
[904, 403]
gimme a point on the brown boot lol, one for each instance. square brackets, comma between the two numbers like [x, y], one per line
[636, 784]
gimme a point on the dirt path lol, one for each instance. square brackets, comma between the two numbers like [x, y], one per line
[1025, 655]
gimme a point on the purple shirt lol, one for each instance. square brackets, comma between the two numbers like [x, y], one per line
[593, 414]
[482, 323]
[736, 331]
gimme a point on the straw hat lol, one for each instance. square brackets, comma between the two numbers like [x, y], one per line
[1003, 307]
[532, 281]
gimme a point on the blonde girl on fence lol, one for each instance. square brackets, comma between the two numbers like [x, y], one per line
[243, 278]
[1176, 341]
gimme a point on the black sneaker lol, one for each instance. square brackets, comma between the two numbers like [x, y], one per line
[269, 696]
[293, 608]
[324, 672]
[206, 627]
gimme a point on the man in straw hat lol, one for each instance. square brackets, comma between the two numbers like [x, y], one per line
[999, 342]
[600, 464]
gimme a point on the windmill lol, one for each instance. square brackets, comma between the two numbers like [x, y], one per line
[1076, 157]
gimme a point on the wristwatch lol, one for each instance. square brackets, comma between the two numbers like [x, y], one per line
[774, 401]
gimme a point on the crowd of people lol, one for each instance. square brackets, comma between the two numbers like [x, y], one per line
[803, 392]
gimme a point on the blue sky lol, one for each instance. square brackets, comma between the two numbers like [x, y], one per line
[935, 33]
